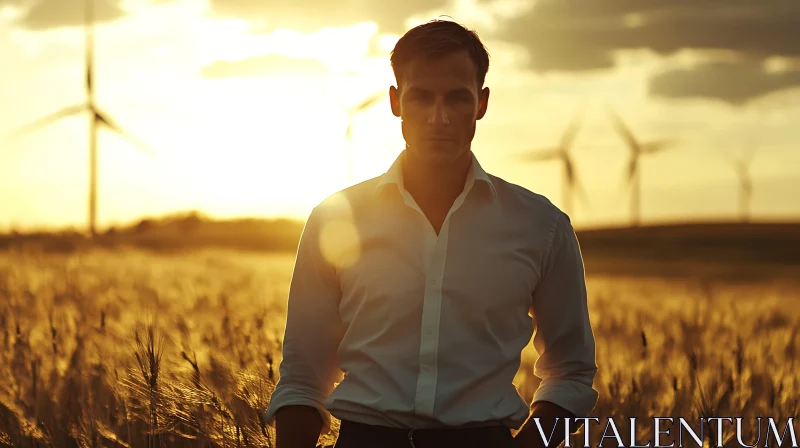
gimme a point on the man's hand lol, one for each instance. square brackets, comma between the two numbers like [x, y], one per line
[547, 412]
[297, 427]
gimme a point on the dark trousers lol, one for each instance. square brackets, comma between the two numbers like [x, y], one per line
[359, 435]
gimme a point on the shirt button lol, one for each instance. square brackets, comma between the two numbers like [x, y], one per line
[429, 332]
[433, 282]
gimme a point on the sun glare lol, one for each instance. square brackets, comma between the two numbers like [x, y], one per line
[339, 239]
[283, 136]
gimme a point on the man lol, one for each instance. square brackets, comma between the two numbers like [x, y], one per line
[423, 286]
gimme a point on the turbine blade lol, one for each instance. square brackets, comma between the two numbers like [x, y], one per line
[44, 121]
[114, 126]
[541, 155]
[632, 167]
[569, 170]
[572, 130]
[89, 44]
[741, 168]
[367, 103]
[622, 129]
[657, 146]
[582, 195]
[747, 184]
[364, 105]
[574, 182]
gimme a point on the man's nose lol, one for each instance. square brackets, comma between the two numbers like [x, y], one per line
[438, 113]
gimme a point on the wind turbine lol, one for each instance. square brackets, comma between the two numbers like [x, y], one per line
[352, 112]
[637, 149]
[98, 117]
[570, 183]
[741, 165]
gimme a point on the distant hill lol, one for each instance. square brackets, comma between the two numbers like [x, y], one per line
[738, 249]
[651, 249]
[175, 232]
[778, 242]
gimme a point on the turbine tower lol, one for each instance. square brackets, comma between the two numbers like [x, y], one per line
[352, 112]
[637, 149]
[570, 183]
[97, 117]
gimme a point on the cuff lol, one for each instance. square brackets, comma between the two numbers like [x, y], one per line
[571, 395]
[289, 397]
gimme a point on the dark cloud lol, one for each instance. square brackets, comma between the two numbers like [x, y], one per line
[576, 35]
[267, 65]
[734, 84]
[46, 14]
[311, 15]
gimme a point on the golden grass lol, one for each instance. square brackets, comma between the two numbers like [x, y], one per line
[130, 349]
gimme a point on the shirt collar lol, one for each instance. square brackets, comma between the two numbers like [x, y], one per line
[395, 174]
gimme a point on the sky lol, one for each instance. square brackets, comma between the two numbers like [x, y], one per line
[244, 104]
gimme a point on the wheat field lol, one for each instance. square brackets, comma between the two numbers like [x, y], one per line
[134, 349]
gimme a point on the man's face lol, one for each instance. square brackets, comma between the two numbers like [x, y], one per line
[439, 102]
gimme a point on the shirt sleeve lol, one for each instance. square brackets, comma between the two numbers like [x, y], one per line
[564, 339]
[309, 367]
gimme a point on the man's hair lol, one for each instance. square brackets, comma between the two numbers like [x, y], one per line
[439, 38]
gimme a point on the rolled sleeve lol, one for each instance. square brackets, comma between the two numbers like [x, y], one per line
[309, 367]
[564, 339]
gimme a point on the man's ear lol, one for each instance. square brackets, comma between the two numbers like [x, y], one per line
[394, 99]
[483, 102]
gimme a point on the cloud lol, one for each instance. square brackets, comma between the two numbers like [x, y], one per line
[311, 15]
[580, 35]
[732, 83]
[45, 14]
[266, 65]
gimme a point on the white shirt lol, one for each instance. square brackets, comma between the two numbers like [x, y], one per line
[428, 330]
